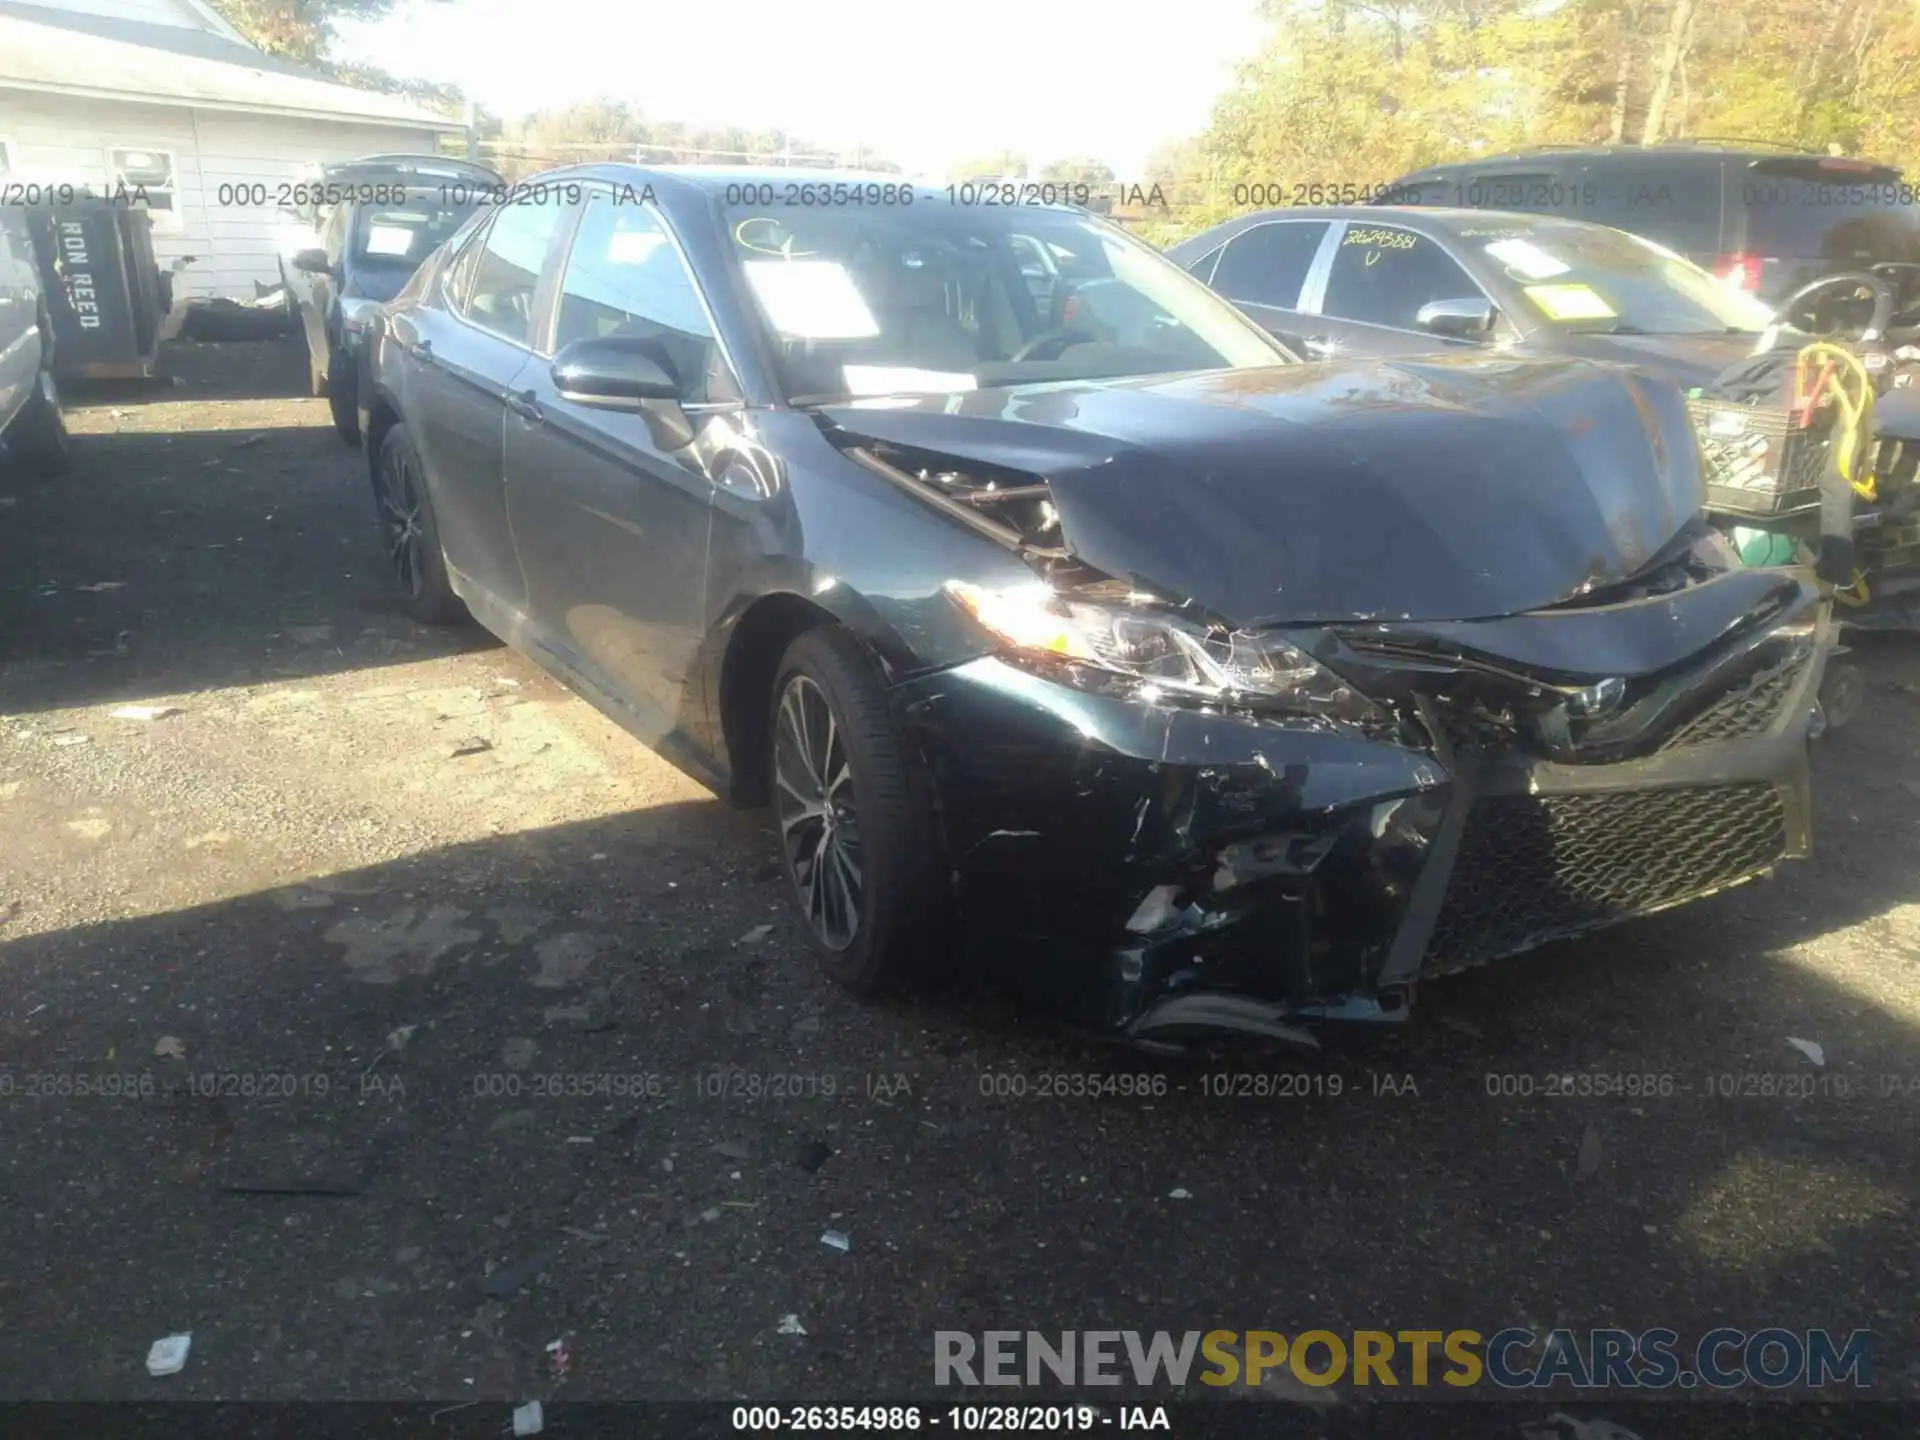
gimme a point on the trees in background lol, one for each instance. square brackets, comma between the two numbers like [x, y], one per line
[1360, 91]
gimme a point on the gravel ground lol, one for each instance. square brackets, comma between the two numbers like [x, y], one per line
[420, 927]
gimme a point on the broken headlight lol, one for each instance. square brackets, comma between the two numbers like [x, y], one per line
[1162, 656]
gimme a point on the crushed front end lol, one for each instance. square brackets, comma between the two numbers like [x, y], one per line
[1198, 867]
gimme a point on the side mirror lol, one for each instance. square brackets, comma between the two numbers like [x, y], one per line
[1460, 319]
[313, 260]
[625, 372]
[618, 372]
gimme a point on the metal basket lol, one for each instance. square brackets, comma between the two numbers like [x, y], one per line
[1758, 464]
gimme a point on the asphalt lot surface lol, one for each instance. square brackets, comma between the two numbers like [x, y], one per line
[420, 927]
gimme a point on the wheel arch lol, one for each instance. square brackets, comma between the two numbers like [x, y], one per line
[755, 645]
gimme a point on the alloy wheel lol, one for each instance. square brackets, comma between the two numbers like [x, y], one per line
[401, 521]
[813, 789]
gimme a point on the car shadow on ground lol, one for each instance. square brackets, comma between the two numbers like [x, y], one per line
[579, 1044]
[197, 546]
[199, 370]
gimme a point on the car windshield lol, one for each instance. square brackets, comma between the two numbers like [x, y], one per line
[935, 296]
[404, 235]
[1590, 278]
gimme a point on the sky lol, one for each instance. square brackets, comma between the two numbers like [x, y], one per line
[925, 86]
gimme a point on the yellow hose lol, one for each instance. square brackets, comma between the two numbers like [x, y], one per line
[1856, 411]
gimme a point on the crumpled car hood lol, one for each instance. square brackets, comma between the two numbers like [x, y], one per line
[1444, 489]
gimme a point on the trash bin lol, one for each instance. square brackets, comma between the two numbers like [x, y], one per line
[105, 293]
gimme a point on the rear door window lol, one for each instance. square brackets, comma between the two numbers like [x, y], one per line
[1677, 205]
[1268, 264]
[1536, 192]
[1382, 275]
[1799, 210]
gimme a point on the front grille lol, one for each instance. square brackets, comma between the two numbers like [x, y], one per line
[1534, 868]
[1748, 708]
[1758, 463]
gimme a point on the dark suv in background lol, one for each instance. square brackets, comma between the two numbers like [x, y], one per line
[1770, 219]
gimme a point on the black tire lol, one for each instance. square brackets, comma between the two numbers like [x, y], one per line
[37, 439]
[900, 935]
[409, 535]
[343, 397]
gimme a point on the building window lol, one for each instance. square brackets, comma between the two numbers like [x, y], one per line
[146, 175]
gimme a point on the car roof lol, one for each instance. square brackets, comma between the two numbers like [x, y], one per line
[1435, 217]
[1702, 149]
[713, 180]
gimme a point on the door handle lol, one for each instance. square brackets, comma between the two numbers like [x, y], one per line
[422, 350]
[526, 406]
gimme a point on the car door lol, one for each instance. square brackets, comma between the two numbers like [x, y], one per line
[1264, 270]
[610, 511]
[19, 315]
[315, 292]
[1369, 299]
[467, 352]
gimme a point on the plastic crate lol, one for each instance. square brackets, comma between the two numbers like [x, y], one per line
[1758, 464]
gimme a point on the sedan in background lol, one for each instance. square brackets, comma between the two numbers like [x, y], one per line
[1214, 691]
[386, 214]
[1374, 280]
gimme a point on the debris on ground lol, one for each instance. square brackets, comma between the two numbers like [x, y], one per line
[99, 587]
[561, 1359]
[309, 634]
[472, 745]
[733, 1150]
[790, 1325]
[397, 1038]
[1180, 1192]
[513, 1120]
[518, 1052]
[509, 1278]
[248, 442]
[527, 1419]
[837, 1240]
[1812, 1049]
[72, 739]
[1589, 1159]
[170, 1047]
[145, 712]
[1462, 1026]
[755, 935]
[810, 1155]
[168, 1356]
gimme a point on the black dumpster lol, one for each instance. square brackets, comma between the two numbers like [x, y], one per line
[106, 294]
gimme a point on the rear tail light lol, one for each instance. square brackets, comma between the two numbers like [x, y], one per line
[1070, 309]
[1741, 269]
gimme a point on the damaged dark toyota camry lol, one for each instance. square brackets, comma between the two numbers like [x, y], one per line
[1052, 605]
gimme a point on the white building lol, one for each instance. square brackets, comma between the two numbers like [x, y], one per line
[166, 95]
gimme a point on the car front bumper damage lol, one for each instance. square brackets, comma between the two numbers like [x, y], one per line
[1180, 871]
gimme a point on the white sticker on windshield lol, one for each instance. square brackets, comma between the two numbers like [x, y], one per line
[389, 240]
[632, 247]
[1529, 259]
[811, 299]
[899, 379]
